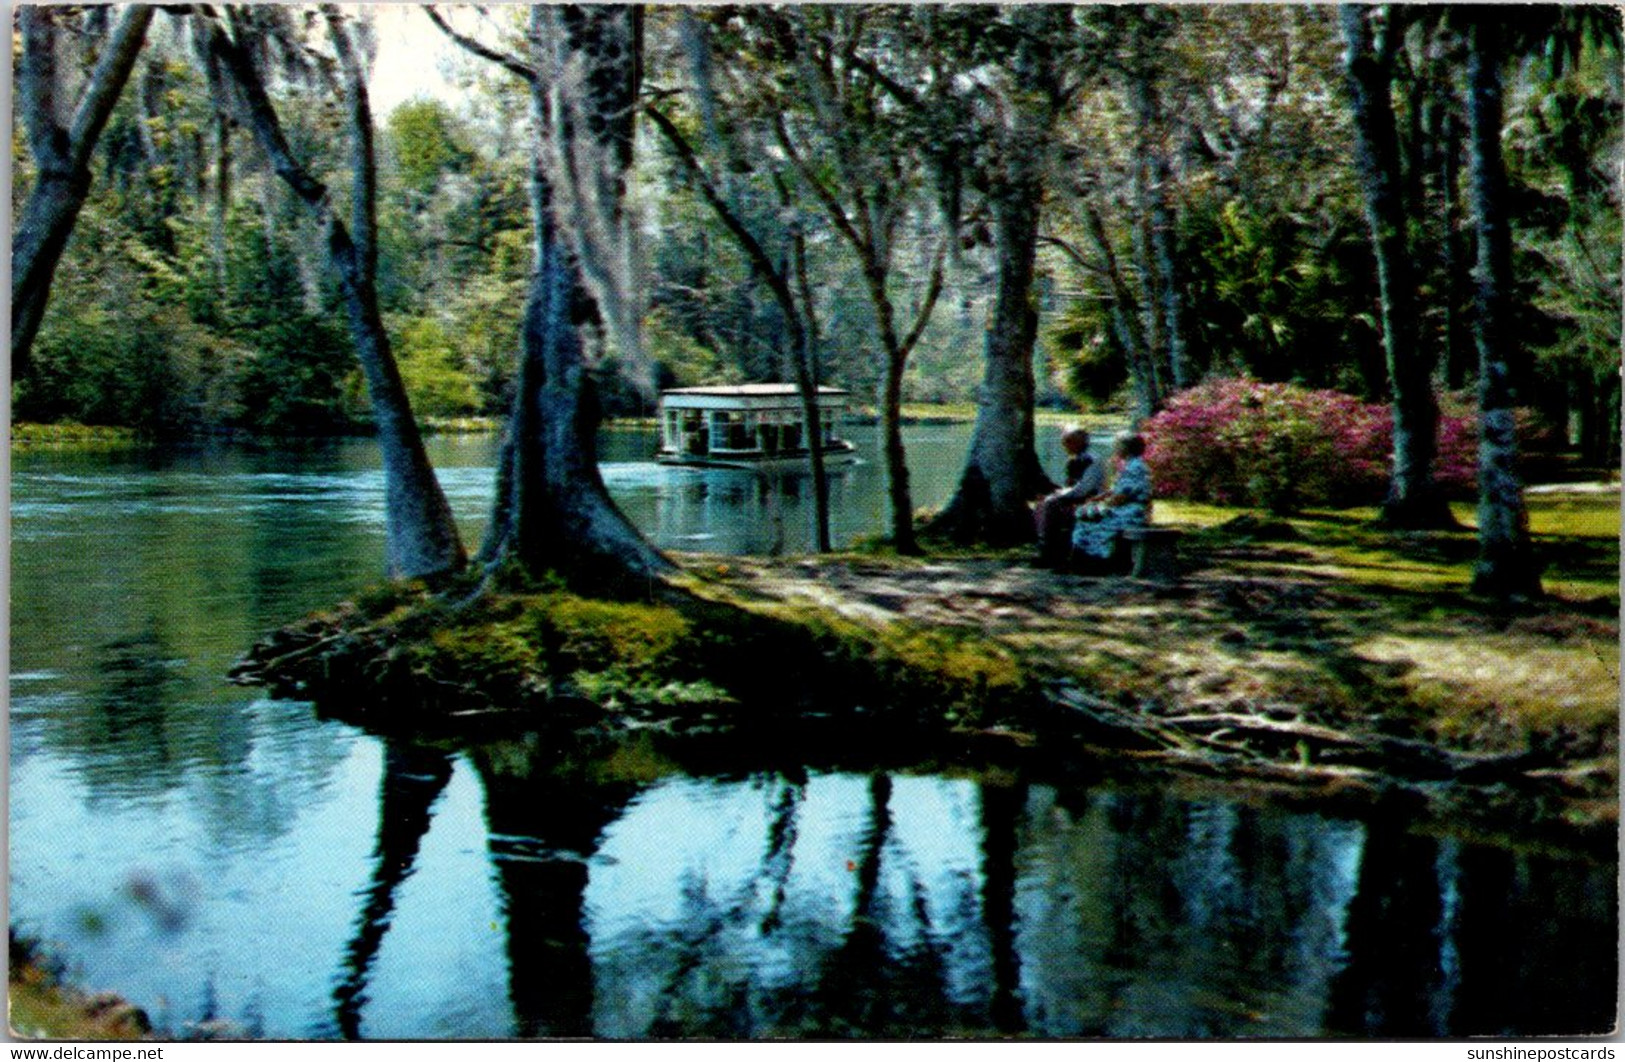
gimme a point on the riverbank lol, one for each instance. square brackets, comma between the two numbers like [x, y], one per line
[43, 1006]
[1316, 658]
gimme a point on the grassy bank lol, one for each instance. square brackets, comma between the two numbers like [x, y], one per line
[44, 1007]
[89, 436]
[1318, 654]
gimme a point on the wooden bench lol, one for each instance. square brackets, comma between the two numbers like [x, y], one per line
[1155, 551]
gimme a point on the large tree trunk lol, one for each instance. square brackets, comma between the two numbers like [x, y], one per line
[552, 511]
[1164, 251]
[555, 513]
[1002, 473]
[1506, 565]
[61, 155]
[1414, 500]
[421, 535]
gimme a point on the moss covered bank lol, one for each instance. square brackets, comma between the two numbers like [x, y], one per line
[1316, 659]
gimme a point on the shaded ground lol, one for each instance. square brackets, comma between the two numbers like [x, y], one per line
[1314, 652]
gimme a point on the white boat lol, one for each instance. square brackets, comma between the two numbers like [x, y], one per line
[748, 426]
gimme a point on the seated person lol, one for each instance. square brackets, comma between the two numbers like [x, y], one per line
[1085, 477]
[1126, 505]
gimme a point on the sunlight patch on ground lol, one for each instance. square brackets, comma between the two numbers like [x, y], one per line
[1582, 515]
[1531, 686]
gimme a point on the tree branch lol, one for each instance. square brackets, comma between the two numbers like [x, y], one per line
[832, 206]
[894, 88]
[1072, 252]
[469, 44]
[262, 116]
[932, 291]
[107, 83]
[753, 249]
[363, 160]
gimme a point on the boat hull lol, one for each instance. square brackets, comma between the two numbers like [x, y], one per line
[843, 454]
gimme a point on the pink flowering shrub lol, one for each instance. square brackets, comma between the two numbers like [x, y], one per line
[1283, 447]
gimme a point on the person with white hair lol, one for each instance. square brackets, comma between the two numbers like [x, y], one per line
[1127, 504]
[1052, 515]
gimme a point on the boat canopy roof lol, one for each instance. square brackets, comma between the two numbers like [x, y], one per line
[746, 396]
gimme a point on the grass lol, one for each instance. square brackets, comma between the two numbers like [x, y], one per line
[1323, 614]
[1467, 670]
[68, 434]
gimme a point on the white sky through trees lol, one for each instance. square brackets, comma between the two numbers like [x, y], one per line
[411, 59]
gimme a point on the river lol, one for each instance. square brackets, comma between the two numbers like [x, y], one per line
[230, 861]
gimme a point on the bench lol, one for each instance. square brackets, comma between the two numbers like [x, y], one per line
[1155, 551]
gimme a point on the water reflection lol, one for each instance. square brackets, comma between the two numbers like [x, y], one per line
[880, 905]
[413, 779]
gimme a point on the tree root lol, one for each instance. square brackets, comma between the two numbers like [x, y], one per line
[1300, 749]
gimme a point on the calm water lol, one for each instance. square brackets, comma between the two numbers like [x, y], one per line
[214, 855]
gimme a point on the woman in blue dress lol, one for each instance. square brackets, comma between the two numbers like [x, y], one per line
[1126, 505]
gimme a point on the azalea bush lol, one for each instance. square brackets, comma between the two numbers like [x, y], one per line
[1284, 447]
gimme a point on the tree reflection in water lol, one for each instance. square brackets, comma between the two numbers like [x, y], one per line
[880, 905]
[413, 779]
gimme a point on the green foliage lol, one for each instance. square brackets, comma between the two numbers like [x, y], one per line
[1282, 295]
[296, 382]
[436, 381]
[169, 318]
[135, 361]
[425, 144]
[681, 359]
[1081, 340]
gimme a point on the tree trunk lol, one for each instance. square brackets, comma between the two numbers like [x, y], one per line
[421, 535]
[1173, 300]
[802, 326]
[1414, 500]
[807, 387]
[1159, 300]
[1151, 316]
[1148, 393]
[1506, 565]
[1457, 343]
[552, 511]
[897, 349]
[1164, 302]
[61, 155]
[1002, 473]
